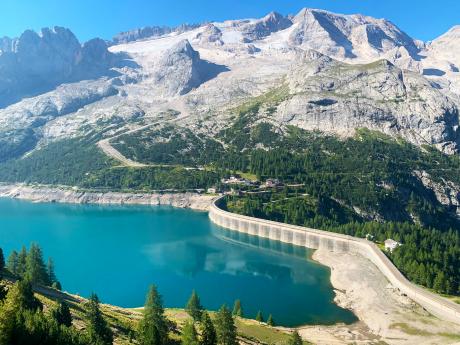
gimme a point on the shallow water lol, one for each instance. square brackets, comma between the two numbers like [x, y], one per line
[118, 251]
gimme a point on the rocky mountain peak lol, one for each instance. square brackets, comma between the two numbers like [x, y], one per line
[272, 22]
[36, 62]
[151, 32]
[178, 71]
[348, 36]
[210, 35]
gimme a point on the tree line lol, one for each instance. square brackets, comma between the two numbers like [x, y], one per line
[30, 265]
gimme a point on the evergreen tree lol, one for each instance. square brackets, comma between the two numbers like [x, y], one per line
[295, 339]
[2, 260]
[35, 266]
[12, 263]
[26, 299]
[259, 316]
[20, 324]
[3, 292]
[439, 283]
[270, 321]
[208, 334]
[50, 272]
[189, 335]
[237, 309]
[153, 328]
[57, 285]
[22, 261]
[225, 327]
[62, 314]
[8, 312]
[98, 331]
[194, 307]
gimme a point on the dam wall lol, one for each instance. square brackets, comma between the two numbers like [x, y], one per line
[319, 239]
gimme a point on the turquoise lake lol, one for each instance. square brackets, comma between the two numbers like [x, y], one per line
[118, 251]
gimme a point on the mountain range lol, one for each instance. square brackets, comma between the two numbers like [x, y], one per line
[340, 72]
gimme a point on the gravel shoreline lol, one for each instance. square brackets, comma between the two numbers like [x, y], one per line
[386, 316]
[69, 195]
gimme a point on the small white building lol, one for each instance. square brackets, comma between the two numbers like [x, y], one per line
[212, 190]
[390, 245]
[272, 182]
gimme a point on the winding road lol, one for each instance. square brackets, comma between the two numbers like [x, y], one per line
[112, 152]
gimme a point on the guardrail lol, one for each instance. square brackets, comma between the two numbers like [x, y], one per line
[315, 239]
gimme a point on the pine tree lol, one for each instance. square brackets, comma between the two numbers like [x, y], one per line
[22, 261]
[237, 309]
[439, 283]
[50, 272]
[2, 260]
[153, 328]
[194, 307]
[12, 263]
[20, 297]
[62, 314]
[27, 299]
[295, 339]
[57, 285]
[98, 331]
[35, 266]
[208, 334]
[259, 316]
[189, 335]
[270, 321]
[225, 327]
[21, 324]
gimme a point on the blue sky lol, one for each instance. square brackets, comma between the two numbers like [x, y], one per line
[422, 19]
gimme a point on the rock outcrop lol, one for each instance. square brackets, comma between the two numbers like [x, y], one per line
[331, 96]
[180, 70]
[210, 35]
[447, 193]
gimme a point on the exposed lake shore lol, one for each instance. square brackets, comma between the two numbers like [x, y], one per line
[385, 315]
[69, 195]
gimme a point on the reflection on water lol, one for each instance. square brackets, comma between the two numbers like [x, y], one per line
[119, 251]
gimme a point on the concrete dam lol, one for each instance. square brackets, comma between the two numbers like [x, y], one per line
[319, 239]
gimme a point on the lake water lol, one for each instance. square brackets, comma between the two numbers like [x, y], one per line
[118, 251]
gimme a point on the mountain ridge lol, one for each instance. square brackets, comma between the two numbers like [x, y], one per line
[210, 69]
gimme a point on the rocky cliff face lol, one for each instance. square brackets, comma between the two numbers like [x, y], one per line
[271, 23]
[334, 97]
[37, 62]
[180, 70]
[6, 45]
[446, 192]
[348, 36]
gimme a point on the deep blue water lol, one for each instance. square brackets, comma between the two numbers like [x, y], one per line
[118, 251]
